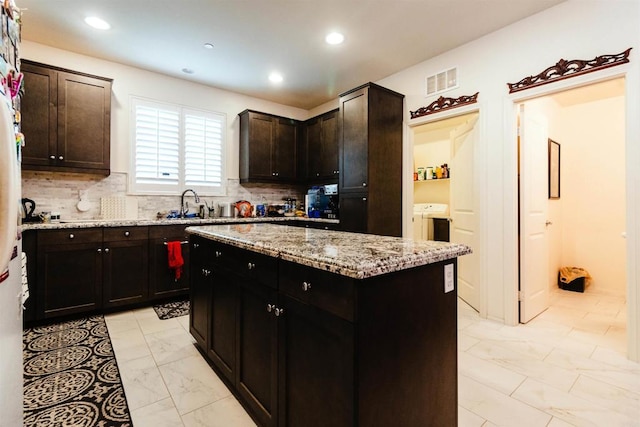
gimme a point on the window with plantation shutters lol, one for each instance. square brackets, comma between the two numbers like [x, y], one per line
[175, 148]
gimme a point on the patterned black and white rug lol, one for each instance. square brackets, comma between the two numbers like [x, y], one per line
[71, 377]
[172, 309]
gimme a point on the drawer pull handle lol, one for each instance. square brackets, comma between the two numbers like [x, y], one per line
[251, 266]
[126, 234]
[270, 307]
[71, 236]
[279, 312]
[306, 286]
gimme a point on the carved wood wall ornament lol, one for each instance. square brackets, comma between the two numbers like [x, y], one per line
[564, 69]
[443, 103]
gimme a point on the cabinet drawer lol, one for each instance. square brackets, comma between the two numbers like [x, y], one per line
[70, 235]
[327, 291]
[126, 233]
[168, 232]
[251, 265]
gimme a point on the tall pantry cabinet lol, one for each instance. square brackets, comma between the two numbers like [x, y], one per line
[370, 185]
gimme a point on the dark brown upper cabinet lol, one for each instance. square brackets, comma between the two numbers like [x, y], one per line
[370, 185]
[268, 148]
[66, 120]
[320, 148]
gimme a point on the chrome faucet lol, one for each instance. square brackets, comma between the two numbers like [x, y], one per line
[183, 209]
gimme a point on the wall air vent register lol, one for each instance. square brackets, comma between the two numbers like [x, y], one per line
[441, 82]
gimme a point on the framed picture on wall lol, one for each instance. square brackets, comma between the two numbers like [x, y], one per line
[554, 169]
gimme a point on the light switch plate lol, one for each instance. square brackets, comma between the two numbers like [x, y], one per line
[448, 278]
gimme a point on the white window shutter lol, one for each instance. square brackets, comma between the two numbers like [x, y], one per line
[203, 139]
[157, 146]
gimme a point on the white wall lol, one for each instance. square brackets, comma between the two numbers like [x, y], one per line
[572, 30]
[593, 191]
[130, 81]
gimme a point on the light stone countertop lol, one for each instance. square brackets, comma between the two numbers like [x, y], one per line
[147, 222]
[353, 255]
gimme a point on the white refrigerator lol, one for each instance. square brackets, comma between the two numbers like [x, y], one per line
[10, 274]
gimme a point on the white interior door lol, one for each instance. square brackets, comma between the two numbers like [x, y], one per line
[464, 208]
[533, 194]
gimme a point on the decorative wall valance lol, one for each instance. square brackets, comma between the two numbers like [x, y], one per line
[565, 69]
[443, 103]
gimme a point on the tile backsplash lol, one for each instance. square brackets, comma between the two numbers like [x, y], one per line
[61, 192]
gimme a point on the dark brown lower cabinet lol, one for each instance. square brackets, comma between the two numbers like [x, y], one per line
[316, 367]
[69, 278]
[162, 280]
[201, 270]
[314, 348]
[125, 254]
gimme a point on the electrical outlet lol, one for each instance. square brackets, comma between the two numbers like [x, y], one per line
[448, 278]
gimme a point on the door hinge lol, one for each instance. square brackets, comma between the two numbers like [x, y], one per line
[519, 295]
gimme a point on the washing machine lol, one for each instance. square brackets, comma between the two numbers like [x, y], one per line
[431, 221]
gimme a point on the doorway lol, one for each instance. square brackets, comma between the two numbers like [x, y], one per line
[584, 226]
[450, 144]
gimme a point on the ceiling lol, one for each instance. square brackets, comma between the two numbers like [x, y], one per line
[252, 38]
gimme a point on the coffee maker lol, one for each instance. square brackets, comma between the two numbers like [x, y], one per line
[322, 201]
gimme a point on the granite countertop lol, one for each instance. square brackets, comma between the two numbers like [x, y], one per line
[145, 222]
[349, 254]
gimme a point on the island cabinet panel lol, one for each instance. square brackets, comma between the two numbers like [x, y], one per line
[315, 348]
[316, 367]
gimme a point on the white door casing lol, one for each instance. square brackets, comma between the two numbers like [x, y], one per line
[464, 208]
[533, 199]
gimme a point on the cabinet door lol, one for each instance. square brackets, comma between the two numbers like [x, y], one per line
[84, 124]
[353, 212]
[328, 159]
[200, 292]
[125, 272]
[285, 153]
[316, 368]
[256, 375]
[69, 278]
[162, 279]
[261, 140]
[313, 148]
[39, 116]
[223, 317]
[354, 141]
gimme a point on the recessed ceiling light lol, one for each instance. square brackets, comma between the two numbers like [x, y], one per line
[187, 71]
[97, 23]
[208, 46]
[334, 38]
[275, 77]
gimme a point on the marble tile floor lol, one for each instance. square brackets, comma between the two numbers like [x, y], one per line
[567, 367]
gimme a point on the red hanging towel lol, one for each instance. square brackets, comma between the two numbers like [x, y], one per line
[176, 262]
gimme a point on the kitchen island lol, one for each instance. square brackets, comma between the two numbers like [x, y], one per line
[325, 328]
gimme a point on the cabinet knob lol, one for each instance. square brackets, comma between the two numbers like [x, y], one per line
[218, 254]
[317, 173]
[206, 272]
[52, 157]
[60, 158]
[99, 250]
[251, 266]
[196, 245]
[273, 174]
[270, 307]
[279, 312]
[364, 184]
[106, 250]
[126, 234]
[364, 199]
[71, 236]
[306, 286]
